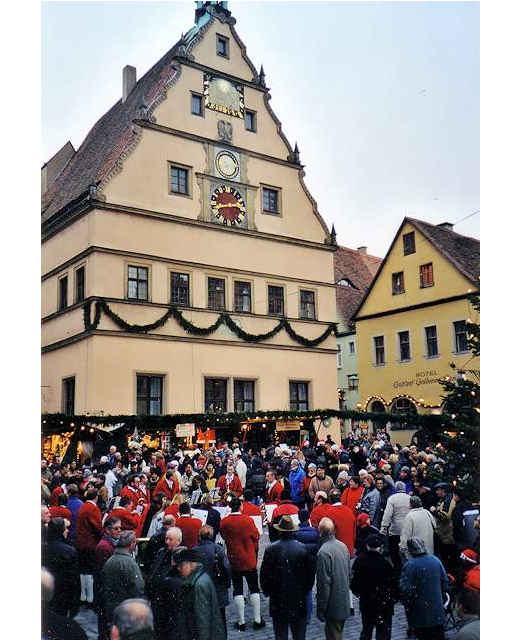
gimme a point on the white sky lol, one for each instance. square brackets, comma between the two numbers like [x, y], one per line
[382, 97]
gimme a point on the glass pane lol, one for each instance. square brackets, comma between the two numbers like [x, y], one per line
[142, 385]
[143, 290]
[155, 408]
[132, 289]
[132, 272]
[142, 407]
[142, 273]
[155, 387]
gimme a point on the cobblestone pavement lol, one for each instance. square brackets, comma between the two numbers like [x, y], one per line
[88, 619]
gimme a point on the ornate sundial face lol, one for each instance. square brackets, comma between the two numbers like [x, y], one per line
[227, 205]
[223, 96]
[227, 165]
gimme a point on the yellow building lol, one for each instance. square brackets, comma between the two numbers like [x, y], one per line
[187, 192]
[410, 324]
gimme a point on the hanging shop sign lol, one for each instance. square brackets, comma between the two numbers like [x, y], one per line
[186, 430]
[290, 425]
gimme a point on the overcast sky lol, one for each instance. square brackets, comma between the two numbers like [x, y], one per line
[382, 97]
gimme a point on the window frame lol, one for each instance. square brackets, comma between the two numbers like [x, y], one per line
[237, 409]
[148, 397]
[352, 351]
[399, 346]
[314, 305]
[253, 120]
[375, 350]
[136, 265]
[208, 379]
[237, 281]
[455, 343]
[225, 40]
[189, 183]
[82, 268]
[275, 286]
[180, 273]
[351, 379]
[339, 356]
[395, 280]
[65, 399]
[307, 401]
[63, 303]
[427, 354]
[278, 191]
[421, 279]
[195, 94]
[407, 235]
[224, 280]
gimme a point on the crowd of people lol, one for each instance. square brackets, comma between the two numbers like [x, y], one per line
[154, 541]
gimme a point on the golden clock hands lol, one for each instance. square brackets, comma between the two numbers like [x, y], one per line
[226, 206]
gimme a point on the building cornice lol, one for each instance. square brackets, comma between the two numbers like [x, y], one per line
[414, 307]
[174, 261]
[60, 344]
[222, 74]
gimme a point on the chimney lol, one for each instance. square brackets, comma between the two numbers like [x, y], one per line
[362, 250]
[129, 75]
[446, 225]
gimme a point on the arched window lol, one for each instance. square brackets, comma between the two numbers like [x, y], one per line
[405, 407]
[377, 407]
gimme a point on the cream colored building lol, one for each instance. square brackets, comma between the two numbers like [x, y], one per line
[186, 191]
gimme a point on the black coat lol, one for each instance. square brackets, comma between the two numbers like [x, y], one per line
[62, 560]
[153, 547]
[213, 518]
[383, 499]
[286, 577]
[162, 589]
[374, 582]
[210, 552]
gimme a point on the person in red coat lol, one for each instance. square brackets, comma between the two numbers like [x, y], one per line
[61, 510]
[352, 495]
[132, 491]
[321, 508]
[230, 482]
[168, 485]
[285, 508]
[241, 537]
[248, 508]
[129, 517]
[55, 495]
[189, 526]
[273, 489]
[344, 521]
[88, 534]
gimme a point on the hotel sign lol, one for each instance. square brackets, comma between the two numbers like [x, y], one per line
[427, 376]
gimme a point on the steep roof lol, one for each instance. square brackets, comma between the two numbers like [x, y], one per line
[359, 268]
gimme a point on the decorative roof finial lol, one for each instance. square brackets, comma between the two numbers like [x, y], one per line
[261, 77]
[333, 240]
[294, 156]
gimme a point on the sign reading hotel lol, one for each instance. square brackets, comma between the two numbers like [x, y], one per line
[223, 96]
[421, 377]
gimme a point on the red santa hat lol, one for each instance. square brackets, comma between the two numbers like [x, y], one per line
[470, 556]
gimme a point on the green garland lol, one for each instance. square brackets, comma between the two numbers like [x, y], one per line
[189, 327]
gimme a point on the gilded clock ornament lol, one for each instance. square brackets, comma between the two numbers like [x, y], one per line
[227, 165]
[228, 206]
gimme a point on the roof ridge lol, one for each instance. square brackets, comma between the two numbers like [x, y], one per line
[436, 226]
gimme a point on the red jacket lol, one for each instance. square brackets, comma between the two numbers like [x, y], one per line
[162, 487]
[190, 528]
[305, 486]
[285, 508]
[57, 491]
[129, 520]
[350, 497]
[61, 512]
[241, 537]
[319, 512]
[345, 523]
[133, 494]
[249, 509]
[274, 494]
[235, 485]
[104, 549]
[88, 527]
[172, 510]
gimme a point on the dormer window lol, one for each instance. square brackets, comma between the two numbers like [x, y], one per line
[345, 282]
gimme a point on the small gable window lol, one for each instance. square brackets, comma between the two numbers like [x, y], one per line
[408, 243]
[222, 46]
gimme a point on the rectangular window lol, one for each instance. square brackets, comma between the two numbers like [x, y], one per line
[137, 283]
[270, 200]
[243, 297]
[222, 46]
[397, 283]
[215, 394]
[179, 180]
[275, 299]
[408, 243]
[196, 104]
[63, 289]
[244, 395]
[216, 293]
[432, 348]
[379, 349]
[352, 347]
[299, 396]
[307, 305]
[404, 345]
[426, 274]
[149, 395]
[68, 393]
[250, 120]
[340, 356]
[80, 284]
[461, 336]
[353, 383]
[180, 289]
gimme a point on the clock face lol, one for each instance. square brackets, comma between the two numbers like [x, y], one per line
[228, 205]
[227, 165]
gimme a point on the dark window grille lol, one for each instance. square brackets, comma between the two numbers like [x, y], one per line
[216, 293]
[432, 348]
[196, 104]
[222, 46]
[404, 345]
[179, 180]
[379, 346]
[149, 395]
[180, 289]
[299, 396]
[408, 243]
[243, 297]
[353, 383]
[250, 120]
[461, 336]
[138, 283]
[244, 395]
[270, 200]
[69, 392]
[64, 285]
[275, 300]
[307, 305]
[215, 395]
[80, 284]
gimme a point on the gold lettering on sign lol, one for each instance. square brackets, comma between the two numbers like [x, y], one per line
[421, 377]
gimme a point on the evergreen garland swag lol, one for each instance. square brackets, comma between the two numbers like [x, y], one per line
[189, 327]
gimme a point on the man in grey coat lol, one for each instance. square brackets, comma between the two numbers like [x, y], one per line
[332, 581]
[419, 523]
[396, 510]
[122, 578]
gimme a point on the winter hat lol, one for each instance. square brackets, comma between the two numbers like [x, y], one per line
[470, 556]
[187, 555]
[374, 541]
[363, 520]
[416, 546]
[344, 475]
[311, 466]
[400, 486]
